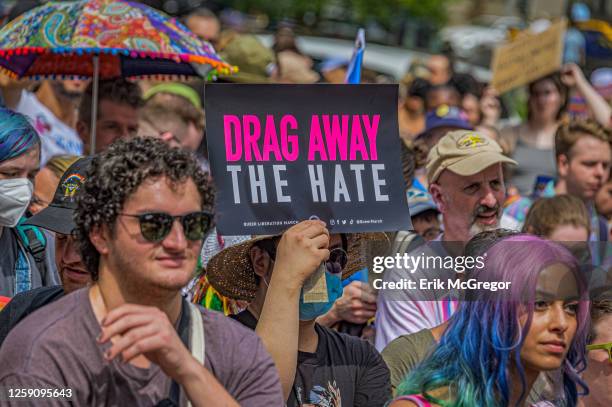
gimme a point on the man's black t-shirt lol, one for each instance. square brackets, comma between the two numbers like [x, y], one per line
[344, 371]
[25, 303]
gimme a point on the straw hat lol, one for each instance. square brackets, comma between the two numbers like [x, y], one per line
[231, 272]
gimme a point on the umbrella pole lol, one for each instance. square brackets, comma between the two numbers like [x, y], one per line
[94, 104]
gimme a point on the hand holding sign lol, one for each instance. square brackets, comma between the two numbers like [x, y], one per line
[572, 76]
[301, 250]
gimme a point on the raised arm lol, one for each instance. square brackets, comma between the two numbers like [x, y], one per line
[573, 77]
[301, 250]
[11, 90]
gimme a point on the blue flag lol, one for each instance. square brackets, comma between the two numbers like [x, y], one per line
[353, 74]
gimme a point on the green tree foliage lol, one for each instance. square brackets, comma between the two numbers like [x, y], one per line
[383, 11]
[278, 9]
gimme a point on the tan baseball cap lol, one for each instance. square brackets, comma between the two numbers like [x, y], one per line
[464, 152]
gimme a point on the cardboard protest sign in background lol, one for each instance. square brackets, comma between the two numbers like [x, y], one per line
[280, 154]
[528, 57]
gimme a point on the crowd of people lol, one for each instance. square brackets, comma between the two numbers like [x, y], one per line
[117, 289]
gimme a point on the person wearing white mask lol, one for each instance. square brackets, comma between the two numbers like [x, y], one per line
[25, 261]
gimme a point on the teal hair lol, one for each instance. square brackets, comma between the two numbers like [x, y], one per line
[16, 134]
[484, 337]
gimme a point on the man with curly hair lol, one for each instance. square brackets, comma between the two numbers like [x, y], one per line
[130, 338]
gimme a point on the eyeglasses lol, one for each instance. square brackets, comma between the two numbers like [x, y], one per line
[338, 258]
[606, 346]
[155, 226]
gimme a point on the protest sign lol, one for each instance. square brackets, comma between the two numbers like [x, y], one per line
[528, 57]
[280, 154]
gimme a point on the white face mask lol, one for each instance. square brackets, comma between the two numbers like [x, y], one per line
[15, 196]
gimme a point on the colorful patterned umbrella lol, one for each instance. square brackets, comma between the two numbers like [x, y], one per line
[103, 39]
[129, 39]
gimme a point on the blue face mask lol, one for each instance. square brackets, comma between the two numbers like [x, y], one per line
[312, 310]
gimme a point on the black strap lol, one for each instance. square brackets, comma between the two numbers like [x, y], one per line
[37, 249]
[173, 399]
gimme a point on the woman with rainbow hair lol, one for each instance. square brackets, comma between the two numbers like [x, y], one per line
[497, 345]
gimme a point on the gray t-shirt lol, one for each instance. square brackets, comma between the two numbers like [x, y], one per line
[56, 348]
[405, 352]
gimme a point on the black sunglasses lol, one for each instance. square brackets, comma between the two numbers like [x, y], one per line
[155, 226]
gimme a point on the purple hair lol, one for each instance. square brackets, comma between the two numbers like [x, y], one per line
[520, 259]
[485, 337]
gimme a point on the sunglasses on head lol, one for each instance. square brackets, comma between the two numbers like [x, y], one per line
[605, 346]
[155, 226]
[338, 258]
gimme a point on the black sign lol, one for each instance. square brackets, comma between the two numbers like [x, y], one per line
[281, 154]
